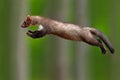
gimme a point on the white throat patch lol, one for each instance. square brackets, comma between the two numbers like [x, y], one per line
[40, 27]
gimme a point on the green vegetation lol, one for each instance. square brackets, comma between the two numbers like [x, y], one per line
[52, 58]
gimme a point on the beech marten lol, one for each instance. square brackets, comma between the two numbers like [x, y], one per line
[66, 31]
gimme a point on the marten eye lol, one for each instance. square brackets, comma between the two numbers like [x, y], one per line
[28, 22]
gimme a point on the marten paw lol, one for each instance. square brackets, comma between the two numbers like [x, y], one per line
[103, 50]
[35, 34]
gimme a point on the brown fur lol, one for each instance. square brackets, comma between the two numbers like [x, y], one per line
[67, 31]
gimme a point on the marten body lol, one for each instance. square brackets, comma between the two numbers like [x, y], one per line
[67, 31]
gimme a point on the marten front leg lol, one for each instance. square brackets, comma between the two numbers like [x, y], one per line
[36, 34]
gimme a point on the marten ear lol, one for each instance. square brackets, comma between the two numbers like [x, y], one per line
[28, 18]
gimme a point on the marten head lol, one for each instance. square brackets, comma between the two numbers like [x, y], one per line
[27, 22]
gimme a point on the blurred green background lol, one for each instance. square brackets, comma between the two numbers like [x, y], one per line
[53, 58]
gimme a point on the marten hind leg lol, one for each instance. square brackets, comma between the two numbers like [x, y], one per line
[101, 46]
[97, 42]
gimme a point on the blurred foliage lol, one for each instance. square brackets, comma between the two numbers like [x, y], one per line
[101, 67]
[4, 41]
[37, 7]
[100, 14]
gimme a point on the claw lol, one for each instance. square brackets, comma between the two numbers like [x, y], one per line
[33, 34]
[29, 32]
[104, 51]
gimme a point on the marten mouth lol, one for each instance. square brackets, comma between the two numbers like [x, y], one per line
[23, 26]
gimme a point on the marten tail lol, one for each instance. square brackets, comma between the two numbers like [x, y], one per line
[103, 38]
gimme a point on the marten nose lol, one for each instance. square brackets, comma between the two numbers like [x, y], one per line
[23, 26]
